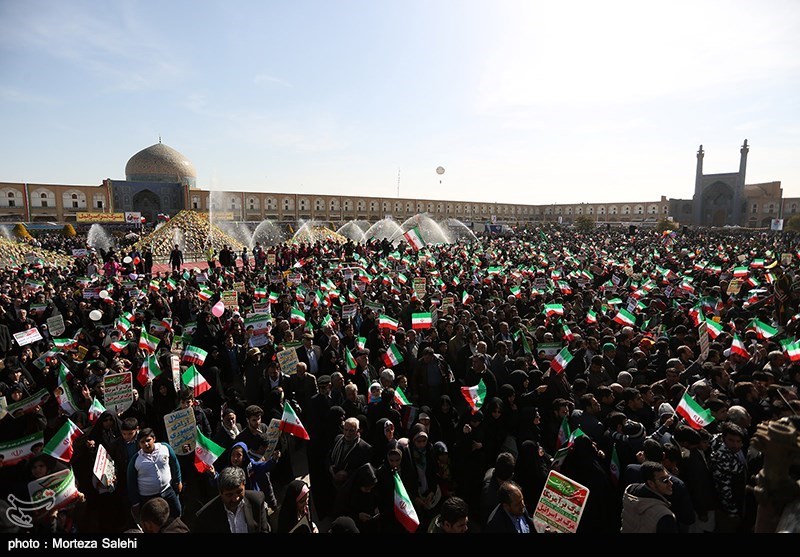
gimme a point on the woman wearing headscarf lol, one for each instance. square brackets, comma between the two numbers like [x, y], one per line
[469, 459]
[161, 399]
[496, 436]
[584, 464]
[446, 417]
[294, 515]
[392, 464]
[362, 500]
[530, 472]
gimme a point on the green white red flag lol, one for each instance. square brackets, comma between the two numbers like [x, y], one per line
[194, 355]
[192, 378]
[148, 342]
[148, 371]
[60, 445]
[404, 511]
[400, 397]
[562, 359]
[386, 322]
[624, 317]
[291, 424]
[694, 414]
[95, 410]
[206, 453]
[349, 361]
[475, 395]
[421, 320]
[792, 349]
[737, 347]
[414, 238]
[392, 357]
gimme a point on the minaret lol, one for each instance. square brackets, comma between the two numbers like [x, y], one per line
[697, 210]
[738, 192]
[743, 160]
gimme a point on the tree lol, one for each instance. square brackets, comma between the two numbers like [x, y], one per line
[665, 224]
[793, 224]
[584, 223]
[21, 232]
[69, 231]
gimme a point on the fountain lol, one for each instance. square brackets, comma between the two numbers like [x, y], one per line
[268, 233]
[431, 232]
[385, 228]
[5, 232]
[177, 238]
[312, 231]
[99, 238]
[459, 231]
[354, 230]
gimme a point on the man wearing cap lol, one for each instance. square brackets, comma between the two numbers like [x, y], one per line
[609, 353]
[310, 354]
[365, 372]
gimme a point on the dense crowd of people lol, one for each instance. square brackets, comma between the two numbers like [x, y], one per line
[468, 370]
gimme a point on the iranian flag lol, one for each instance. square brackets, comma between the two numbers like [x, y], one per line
[553, 309]
[194, 355]
[95, 410]
[714, 328]
[349, 361]
[465, 297]
[148, 342]
[516, 291]
[763, 330]
[563, 433]
[298, 316]
[392, 357]
[155, 285]
[386, 322]
[171, 284]
[361, 342]
[414, 238]
[591, 317]
[475, 396]
[148, 371]
[404, 511]
[206, 453]
[60, 445]
[260, 293]
[696, 416]
[568, 336]
[123, 325]
[400, 397]
[64, 343]
[613, 466]
[192, 378]
[561, 360]
[273, 297]
[624, 317]
[792, 349]
[421, 320]
[740, 272]
[737, 347]
[291, 424]
[205, 293]
[119, 345]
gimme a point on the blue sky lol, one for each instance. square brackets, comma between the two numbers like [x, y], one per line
[520, 101]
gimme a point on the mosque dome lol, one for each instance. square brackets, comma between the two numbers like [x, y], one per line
[160, 163]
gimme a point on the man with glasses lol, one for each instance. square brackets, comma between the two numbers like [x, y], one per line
[645, 506]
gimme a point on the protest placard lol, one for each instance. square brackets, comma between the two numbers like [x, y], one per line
[103, 468]
[119, 392]
[287, 360]
[181, 430]
[55, 324]
[27, 336]
[28, 404]
[561, 505]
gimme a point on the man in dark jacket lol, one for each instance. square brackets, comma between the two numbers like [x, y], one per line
[510, 515]
[247, 507]
[645, 506]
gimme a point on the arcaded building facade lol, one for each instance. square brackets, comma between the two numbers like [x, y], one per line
[160, 180]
